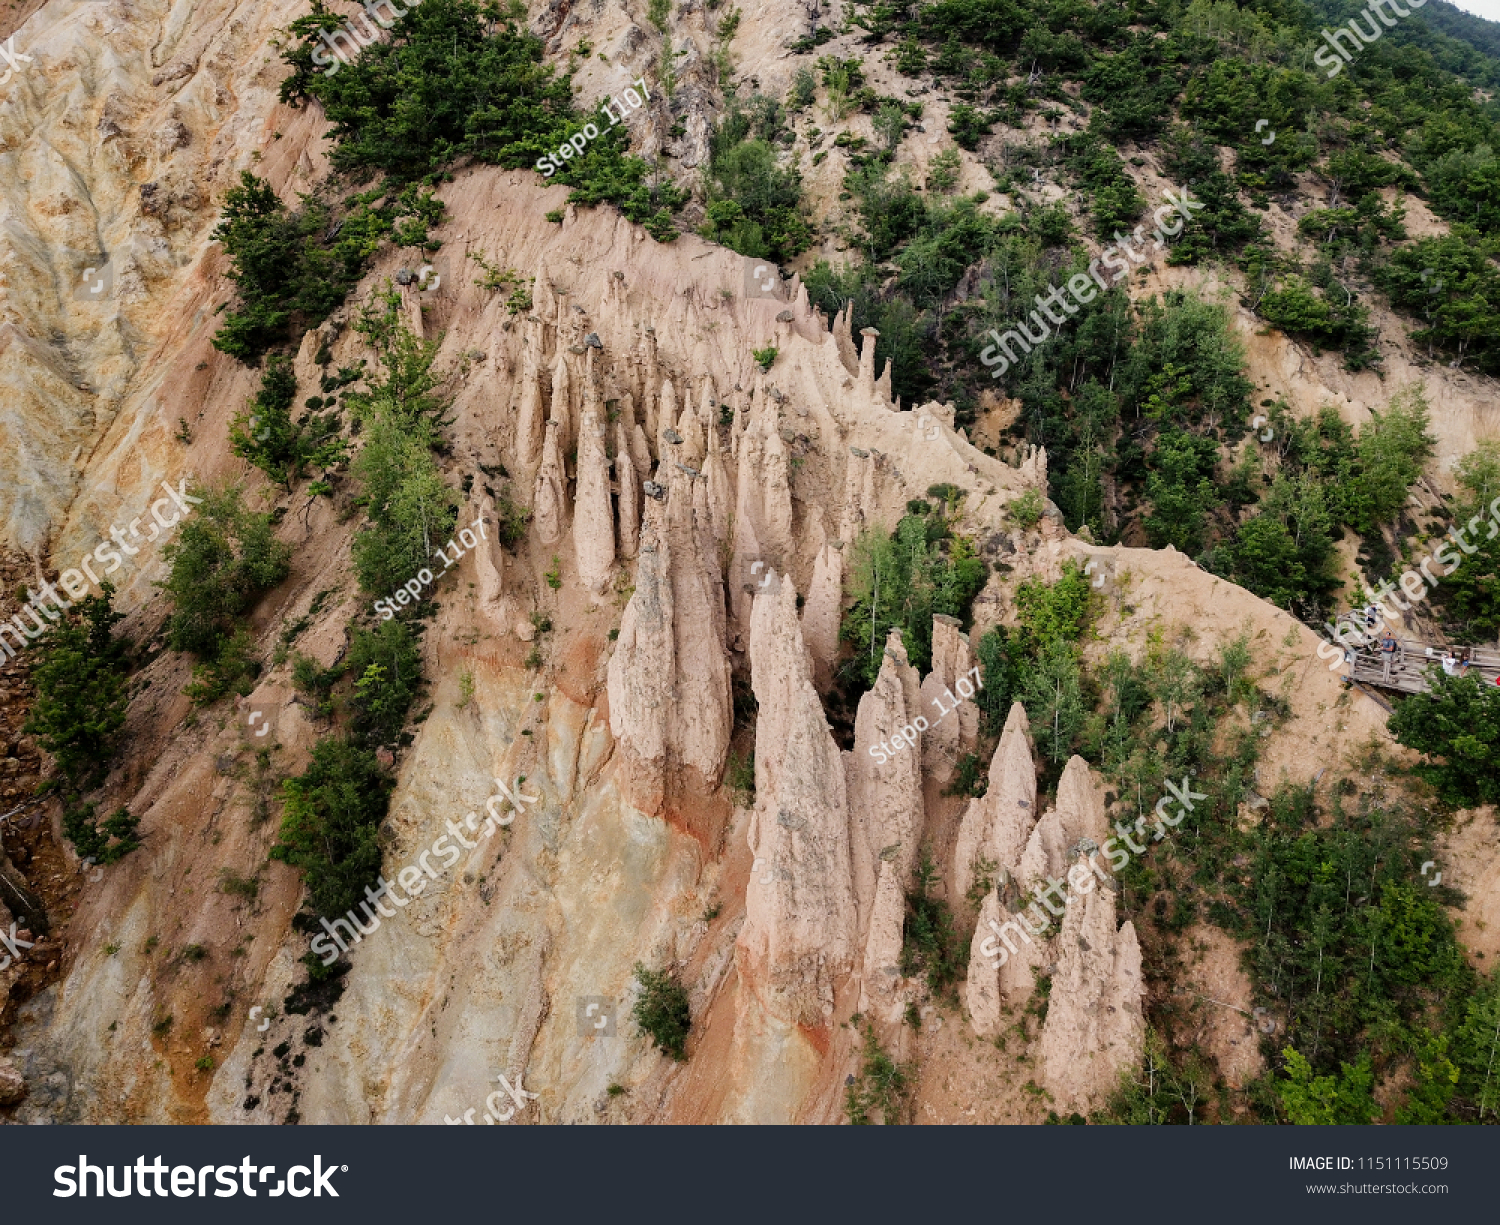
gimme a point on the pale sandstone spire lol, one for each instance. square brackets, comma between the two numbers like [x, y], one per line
[531, 416]
[651, 379]
[996, 825]
[859, 494]
[1095, 1028]
[721, 500]
[954, 718]
[800, 928]
[669, 676]
[561, 410]
[822, 610]
[843, 337]
[489, 556]
[867, 360]
[708, 412]
[763, 506]
[1079, 813]
[886, 814]
[635, 438]
[690, 451]
[666, 415]
[593, 517]
[543, 300]
[549, 506]
[629, 482]
[995, 828]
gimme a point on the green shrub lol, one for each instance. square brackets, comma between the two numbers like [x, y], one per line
[1472, 594]
[80, 677]
[266, 435]
[1391, 452]
[661, 1010]
[235, 885]
[386, 663]
[412, 512]
[232, 670]
[221, 560]
[512, 519]
[106, 842]
[968, 125]
[933, 262]
[882, 1086]
[1027, 510]
[969, 777]
[739, 777]
[1457, 725]
[754, 205]
[1181, 487]
[943, 171]
[329, 823]
[1114, 201]
[315, 682]
[804, 89]
[765, 358]
[930, 946]
[292, 267]
[1322, 319]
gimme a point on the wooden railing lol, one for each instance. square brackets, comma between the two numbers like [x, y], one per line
[1406, 668]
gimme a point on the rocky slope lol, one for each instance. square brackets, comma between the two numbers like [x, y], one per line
[697, 511]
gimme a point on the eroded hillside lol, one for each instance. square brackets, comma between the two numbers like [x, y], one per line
[703, 764]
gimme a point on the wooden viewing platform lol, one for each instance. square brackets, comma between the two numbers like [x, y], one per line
[1405, 669]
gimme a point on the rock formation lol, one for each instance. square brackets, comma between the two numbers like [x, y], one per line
[531, 414]
[549, 501]
[801, 925]
[1095, 1028]
[954, 731]
[593, 523]
[822, 611]
[763, 507]
[997, 824]
[886, 813]
[1050, 873]
[668, 679]
[629, 483]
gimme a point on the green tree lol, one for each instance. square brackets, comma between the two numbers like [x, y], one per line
[81, 697]
[899, 581]
[1310, 1100]
[266, 435]
[661, 1010]
[1285, 552]
[1453, 285]
[411, 509]
[1052, 692]
[1391, 451]
[387, 665]
[1471, 594]
[330, 820]
[754, 204]
[1457, 723]
[1181, 489]
[221, 560]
